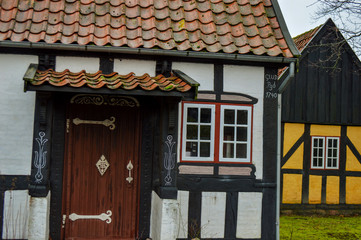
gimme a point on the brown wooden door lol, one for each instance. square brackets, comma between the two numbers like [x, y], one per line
[101, 204]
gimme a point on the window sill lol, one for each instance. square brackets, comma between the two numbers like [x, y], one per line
[217, 170]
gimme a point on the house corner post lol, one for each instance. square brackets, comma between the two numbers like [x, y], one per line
[270, 115]
[168, 156]
[165, 206]
[39, 178]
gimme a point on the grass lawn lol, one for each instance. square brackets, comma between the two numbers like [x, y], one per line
[320, 227]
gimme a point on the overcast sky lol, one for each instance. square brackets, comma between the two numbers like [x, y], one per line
[299, 15]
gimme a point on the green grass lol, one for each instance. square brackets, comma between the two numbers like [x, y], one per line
[320, 228]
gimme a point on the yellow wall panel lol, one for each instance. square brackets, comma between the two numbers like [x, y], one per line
[353, 190]
[333, 190]
[354, 134]
[292, 188]
[352, 164]
[325, 130]
[315, 189]
[292, 132]
[296, 160]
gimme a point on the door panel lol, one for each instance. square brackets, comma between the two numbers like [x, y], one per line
[87, 192]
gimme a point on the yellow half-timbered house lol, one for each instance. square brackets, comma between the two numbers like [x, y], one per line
[321, 126]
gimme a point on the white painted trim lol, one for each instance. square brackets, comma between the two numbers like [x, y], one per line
[235, 125]
[325, 147]
[198, 140]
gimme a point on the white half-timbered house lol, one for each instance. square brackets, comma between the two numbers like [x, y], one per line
[126, 119]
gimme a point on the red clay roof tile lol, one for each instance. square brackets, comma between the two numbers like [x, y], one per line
[112, 81]
[231, 26]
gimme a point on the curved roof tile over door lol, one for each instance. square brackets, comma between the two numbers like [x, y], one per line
[228, 26]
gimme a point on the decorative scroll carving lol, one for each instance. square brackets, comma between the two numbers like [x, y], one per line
[130, 167]
[40, 157]
[107, 122]
[102, 165]
[87, 99]
[112, 100]
[122, 101]
[169, 159]
[103, 216]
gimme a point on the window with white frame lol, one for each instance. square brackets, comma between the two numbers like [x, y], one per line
[325, 152]
[215, 132]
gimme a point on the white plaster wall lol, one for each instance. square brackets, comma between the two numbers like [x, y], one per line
[138, 67]
[249, 80]
[16, 115]
[200, 72]
[213, 214]
[39, 218]
[249, 217]
[77, 64]
[16, 214]
[183, 198]
[169, 217]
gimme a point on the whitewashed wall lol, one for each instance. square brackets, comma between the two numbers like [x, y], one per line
[249, 217]
[77, 64]
[16, 215]
[138, 67]
[213, 214]
[16, 115]
[249, 80]
[169, 218]
[200, 72]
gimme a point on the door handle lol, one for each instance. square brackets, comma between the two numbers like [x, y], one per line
[130, 168]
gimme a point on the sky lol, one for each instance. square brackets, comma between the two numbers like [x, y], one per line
[299, 15]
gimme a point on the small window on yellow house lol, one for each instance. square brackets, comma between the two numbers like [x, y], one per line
[325, 152]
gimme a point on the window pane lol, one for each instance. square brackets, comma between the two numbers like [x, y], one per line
[314, 162]
[315, 152]
[320, 152]
[228, 150]
[192, 132]
[329, 162]
[242, 117]
[320, 142]
[191, 149]
[330, 142]
[241, 134]
[320, 162]
[241, 151]
[206, 115]
[205, 149]
[329, 154]
[334, 163]
[228, 133]
[334, 152]
[205, 132]
[192, 115]
[315, 142]
[228, 116]
[335, 143]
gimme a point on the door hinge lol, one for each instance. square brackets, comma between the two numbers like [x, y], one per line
[63, 222]
[67, 125]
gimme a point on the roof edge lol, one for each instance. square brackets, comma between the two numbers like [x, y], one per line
[284, 29]
[144, 51]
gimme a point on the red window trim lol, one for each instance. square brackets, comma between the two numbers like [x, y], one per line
[216, 132]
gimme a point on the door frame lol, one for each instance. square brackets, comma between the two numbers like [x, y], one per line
[148, 113]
